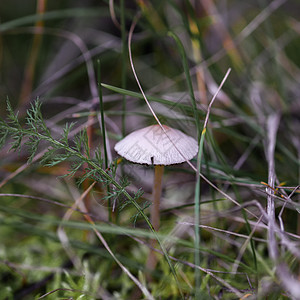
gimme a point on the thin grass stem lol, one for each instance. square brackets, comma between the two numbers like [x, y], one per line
[103, 131]
[124, 64]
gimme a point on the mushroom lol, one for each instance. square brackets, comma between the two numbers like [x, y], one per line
[154, 146]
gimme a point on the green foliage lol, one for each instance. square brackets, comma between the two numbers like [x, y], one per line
[7, 293]
[16, 134]
[59, 150]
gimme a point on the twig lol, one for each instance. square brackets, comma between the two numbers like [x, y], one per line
[291, 284]
[272, 127]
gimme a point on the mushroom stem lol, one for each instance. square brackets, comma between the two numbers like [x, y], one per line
[154, 213]
[157, 184]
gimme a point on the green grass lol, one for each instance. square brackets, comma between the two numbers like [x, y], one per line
[60, 178]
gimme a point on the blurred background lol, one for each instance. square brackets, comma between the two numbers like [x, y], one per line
[50, 50]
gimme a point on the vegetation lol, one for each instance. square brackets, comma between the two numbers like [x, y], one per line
[74, 217]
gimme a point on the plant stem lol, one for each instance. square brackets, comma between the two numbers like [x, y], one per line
[27, 84]
[124, 63]
[157, 186]
[154, 214]
[197, 218]
[111, 215]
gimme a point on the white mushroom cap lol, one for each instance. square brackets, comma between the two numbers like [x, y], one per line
[151, 145]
